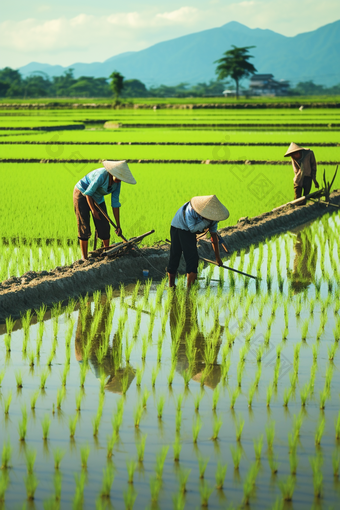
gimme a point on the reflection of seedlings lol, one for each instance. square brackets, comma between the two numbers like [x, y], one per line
[202, 465]
[155, 487]
[312, 378]
[84, 455]
[337, 427]
[160, 406]
[293, 380]
[72, 423]
[79, 493]
[131, 468]
[220, 475]
[287, 488]
[297, 423]
[319, 432]
[335, 463]
[258, 375]
[177, 447]
[160, 459]
[205, 491]
[128, 350]
[196, 427]
[141, 448]
[273, 464]
[45, 424]
[215, 397]
[236, 454]
[125, 383]
[58, 455]
[31, 483]
[18, 378]
[329, 376]
[293, 461]
[270, 432]
[183, 479]
[316, 464]
[108, 477]
[111, 441]
[178, 420]
[138, 415]
[240, 368]
[30, 460]
[258, 444]
[57, 482]
[216, 428]
[6, 455]
[239, 428]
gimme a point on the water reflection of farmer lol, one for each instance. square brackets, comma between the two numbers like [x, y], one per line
[304, 166]
[183, 318]
[107, 364]
[304, 266]
[92, 188]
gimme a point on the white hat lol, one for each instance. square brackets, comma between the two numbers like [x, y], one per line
[210, 208]
[294, 147]
[120, 170]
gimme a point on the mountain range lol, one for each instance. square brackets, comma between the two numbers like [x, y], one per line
[308, 56]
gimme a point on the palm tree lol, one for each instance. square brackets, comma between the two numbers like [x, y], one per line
[235, 64]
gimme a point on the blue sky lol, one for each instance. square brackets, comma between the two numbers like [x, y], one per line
[70, 31]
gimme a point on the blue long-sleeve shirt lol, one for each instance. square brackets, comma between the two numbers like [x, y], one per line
[96, 185]
[192, 221]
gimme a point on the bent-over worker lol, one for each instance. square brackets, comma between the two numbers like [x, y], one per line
[304, 166]
[92, 188]
[194, 217]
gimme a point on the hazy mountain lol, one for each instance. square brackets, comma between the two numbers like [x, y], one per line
[308, 56]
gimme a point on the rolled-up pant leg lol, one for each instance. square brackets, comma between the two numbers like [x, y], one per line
[183, 241]
[102, 225]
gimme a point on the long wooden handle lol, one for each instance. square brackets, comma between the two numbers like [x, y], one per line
[227, 267]
[109, 220]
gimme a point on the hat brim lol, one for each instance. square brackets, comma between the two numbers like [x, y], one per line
[212, 213]
[120, 170]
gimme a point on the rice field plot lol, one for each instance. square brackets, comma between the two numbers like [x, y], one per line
[143, 397]
[225, 153]
[126, 135]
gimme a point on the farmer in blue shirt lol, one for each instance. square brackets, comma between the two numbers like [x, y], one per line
[194, 217]
[92, 188]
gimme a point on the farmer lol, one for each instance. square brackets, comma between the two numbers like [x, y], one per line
[92, 188]
[194, 217]
[304, 166]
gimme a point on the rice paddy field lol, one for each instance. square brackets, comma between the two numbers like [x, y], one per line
[141, 397]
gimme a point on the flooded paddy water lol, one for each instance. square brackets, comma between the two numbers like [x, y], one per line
[233, 389]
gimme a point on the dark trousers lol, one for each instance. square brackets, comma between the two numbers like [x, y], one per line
[183, 241]
[302, 191]
[82, 211]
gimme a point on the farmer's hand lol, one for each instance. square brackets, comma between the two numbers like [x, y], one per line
[96, 214]
[219, 261]
[119, 231]
[316, 184]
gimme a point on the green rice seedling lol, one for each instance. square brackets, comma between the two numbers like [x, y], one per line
[83, 373]
[337, 427]
[292, 441]
[34, 399]
[60, 396]
[304, 395]
[221, 471]
[324, 394]
[72, 423]
[258, 444]
[183, 479]
[187, 374]
[84, 455]
[197, 401]
[269, 394]
[4, 482]
[177, 447]
[178, 501]
[273, 464]
[109, 292]
[202, 465]
[31, 483]
[160, 406]
[30, 460]
[6, 455]
[285, 333]
[216, 396]
[178, 420]
[23, 424]
[335, 463]
[329, 377]
[319, 432]
[312, 379]
[145, 396]
[298, 306]
[58, 456]
[78, 499]
[216, 428]
[45, 424]
[79, 397]
[144, 347]
[286, 396]
[332, 351]
[128, 350]
[316, 465]
[2, 375]
[43, 379]
[97, 297]
[131, 466]
[18, 378]
[160, 460]
[102, 383]
[293, 461]
[267, 337]
[122, 293]
[171, 373]
[312, 302]
[287, 488]
[107, 481]
[111, 441]
[205, 491]
[9, 325]
[236, 454]
[278, 351]
[141, 448]
[293, 376]
[258, 375]
[270, 432]
[138, 414]
[8, 340]
[233, 397]
[304, 330]
[155, 487]
[125, 383]
[154, 374]
[239, 428]
[252, 390]
[7, 402]
[297, 424]
[139, 376]
[196, 427]
[315, 353]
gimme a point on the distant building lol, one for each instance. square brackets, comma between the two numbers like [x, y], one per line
[265, 85]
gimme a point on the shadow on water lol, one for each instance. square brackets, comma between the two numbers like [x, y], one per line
[305, 261]
[103, 358]
[184, 324]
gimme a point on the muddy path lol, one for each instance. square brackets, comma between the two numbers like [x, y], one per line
[34, 288]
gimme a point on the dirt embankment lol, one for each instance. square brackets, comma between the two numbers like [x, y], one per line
[33, 289]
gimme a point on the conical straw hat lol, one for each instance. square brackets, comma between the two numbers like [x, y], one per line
[294, 147]
[210, 208]
[120, 170]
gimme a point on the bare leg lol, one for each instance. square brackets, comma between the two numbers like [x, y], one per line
[106, 243]
[191, 278]
[172, 278]
[84, 249]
